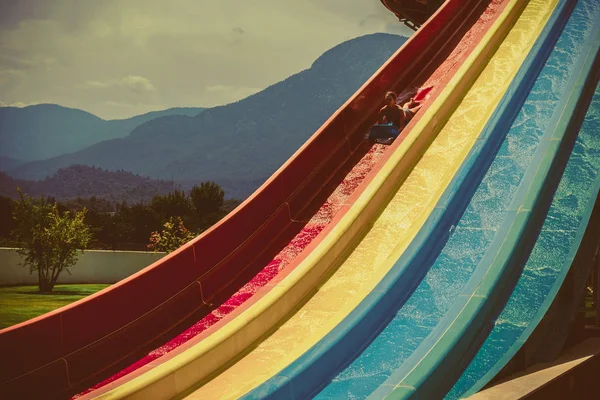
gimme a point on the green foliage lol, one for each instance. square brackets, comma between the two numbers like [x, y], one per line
[173, 236]
[93, 204]
[81, 186]
[174, 204]
[208, 200]
[119, 226]
[230, 205]
[139, 221]
[50, 241]
[7, 223]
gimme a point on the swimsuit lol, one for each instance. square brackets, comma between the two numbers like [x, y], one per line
[392, 114]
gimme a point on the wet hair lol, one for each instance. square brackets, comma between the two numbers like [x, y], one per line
[392, 94]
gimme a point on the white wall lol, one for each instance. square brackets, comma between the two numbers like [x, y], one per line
[94, 266]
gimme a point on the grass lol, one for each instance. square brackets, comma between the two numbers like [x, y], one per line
[20, 303]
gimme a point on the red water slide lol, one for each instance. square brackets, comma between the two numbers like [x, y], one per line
[70, 349]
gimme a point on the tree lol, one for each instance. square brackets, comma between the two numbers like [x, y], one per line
[208, 200]
[7, 222]
[173, 236]
[140, 221]
[50, 242]
[174, 204]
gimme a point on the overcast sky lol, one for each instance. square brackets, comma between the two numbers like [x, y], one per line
[119, 58]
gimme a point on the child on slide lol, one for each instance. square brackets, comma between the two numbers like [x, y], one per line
[392, 112]
[392, 118]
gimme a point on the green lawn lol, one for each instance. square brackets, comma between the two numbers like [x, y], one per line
[20, 303]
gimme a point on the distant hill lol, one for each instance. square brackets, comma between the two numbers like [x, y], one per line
[48, 130]
[133, 122]
[7, 163]
[238, 145]
[83, 181]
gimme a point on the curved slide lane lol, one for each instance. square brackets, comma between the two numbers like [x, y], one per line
[69, 349]
[318, 365]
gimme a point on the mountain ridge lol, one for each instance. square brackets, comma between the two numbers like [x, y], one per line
[43, 131]
[240, 144]
[84, 182]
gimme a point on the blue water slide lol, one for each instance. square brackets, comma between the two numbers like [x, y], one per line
[321, 363]
[461, 332]
[423, 320]
[533, 305]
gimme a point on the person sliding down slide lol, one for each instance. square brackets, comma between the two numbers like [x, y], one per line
[393, 118]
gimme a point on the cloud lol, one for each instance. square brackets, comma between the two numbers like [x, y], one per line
[15, 11]
[138, 84]
[135, 83]
[19, 104]
[10, 59]
[10, 79]
[97, 84]
[119, 104]
[72, 15]
[186, 53]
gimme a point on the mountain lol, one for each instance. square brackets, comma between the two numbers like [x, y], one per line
[7, 163]
[48, 130]
[130, 123]
[240, 144]
[83, 181]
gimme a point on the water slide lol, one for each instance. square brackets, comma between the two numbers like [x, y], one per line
[282, 231]
[533, 324]
[474, 250]
[404, 360]
[295, 358]
[450, 313]
[379, 268]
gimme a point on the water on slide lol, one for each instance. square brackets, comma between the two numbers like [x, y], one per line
[461, 254]
[559, 231]
[317, 222]
[391, 232]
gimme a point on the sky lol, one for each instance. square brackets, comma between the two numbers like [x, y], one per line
[119, 58]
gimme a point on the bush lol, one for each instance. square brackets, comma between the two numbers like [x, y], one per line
[49, 241]
[173, 236]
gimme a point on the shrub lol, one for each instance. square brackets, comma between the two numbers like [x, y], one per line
[173, 236]
[49, 242]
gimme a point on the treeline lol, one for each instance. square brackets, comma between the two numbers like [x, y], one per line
[86, 182]
[122, 226]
